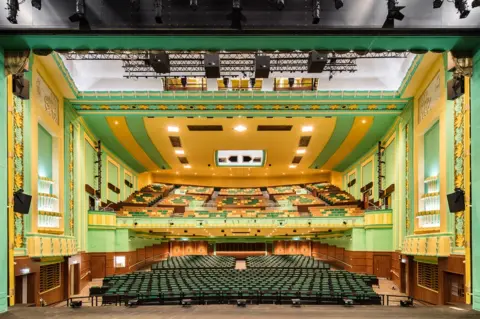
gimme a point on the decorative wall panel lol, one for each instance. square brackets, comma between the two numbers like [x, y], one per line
[429, 97]
[47, 99]
[18, 166]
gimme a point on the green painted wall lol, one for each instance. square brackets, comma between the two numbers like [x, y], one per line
[431, 144]
[101, 240]
[3, 189]
[112, 179]
[379, 239]
[367, 171]
[390, 161]
[475, 171]
[45, 152]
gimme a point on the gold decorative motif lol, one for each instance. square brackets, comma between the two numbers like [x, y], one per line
[334, 107]
[182, 107]
[239, 107]
[124, 107]
[143, 107]
[372, 107]
[219, 107]
[391, 107]
[353, 107]
[201, 107]
[258, 107]
[277, 107]
[315, 107]
[163, 107]
[86, 107]
[104, 107]
[296, 107]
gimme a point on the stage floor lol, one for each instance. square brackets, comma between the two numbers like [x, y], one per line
[234, 312]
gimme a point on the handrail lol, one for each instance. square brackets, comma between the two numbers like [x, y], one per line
[334, 259]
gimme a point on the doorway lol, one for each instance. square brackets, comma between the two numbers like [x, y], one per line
[403, 277]
[25, 289]
[74, 279]
[382, 266]
[454, 288]
[98, 266]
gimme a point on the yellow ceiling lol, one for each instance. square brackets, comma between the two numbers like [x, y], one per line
[200, 147]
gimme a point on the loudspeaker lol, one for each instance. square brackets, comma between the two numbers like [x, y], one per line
[456, 201]
[352, 182]
[262, 66]
[160, 62]
[317, 61]
[212, 66]
[21, 202]
[21, 87]
[455, 88]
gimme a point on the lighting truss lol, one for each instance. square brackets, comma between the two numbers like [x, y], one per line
[12, 11]
[232, 64]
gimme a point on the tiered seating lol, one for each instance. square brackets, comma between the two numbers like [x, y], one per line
[196, 262]
[194, 190]
[163, 286]
[283, 190]
[240, 192]
[182, 200]
[285, 262]
[347, 211]
[145, 212]
[239, 213]
[241, 202]
[157, 188]
[141, 199]
[331, 194]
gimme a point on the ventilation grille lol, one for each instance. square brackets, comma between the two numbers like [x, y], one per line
[296, 159]
[304, 141]
[274, 128]
[183, 160]
[175, 140]
[49, 277]
[205, 128]
[427, 276]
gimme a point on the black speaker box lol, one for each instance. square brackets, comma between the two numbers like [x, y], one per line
[455, 88]
[21, 202]
[160, 62]
[212, 66]
[262, 66]
[317, 62]
[21, 87]
[456, 201]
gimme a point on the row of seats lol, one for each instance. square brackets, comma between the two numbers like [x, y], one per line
[150, 212]
[242, 214]
[352, 211]
[285, 262]
[196, 262]
[157, 188]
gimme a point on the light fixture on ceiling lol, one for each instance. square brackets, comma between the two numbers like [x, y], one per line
[292, 166]
[393, 14]
[187, 166]
[252, 82]
[307, 128]
[194, 5]
[280, 4]
[80, 15]
[316, 11]
[437, 4]
[291, 82]
[176, 173]
[183, 81]
[283, 173]
[173, 129]
[135, 4]
[225, 82]
[475, 3]
[180, 152]
[364, 121]
[338, 4]
[116, 122]
[236, 16]
[301, 151]
[158, 11]
[12, 11]
[240, 128]
[37, 4]
[462, 7]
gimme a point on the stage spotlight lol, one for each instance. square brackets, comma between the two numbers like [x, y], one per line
[338, 4]
[252, 82]
[225, 82]
[183, 80]
[280, 4]
[194, 5]
[135, 5]
[393, 14]
[12, 8]
[316, 11]
[236, 15]
[437, 4]
[37, 4]
[462, 7]
[475, 3]
[158, 11]
[79, 14]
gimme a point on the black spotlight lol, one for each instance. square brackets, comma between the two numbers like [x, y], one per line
[135, 223]
[37, 4]
[158, 11]
[393, 14]
[79, 11]
[12, 7]
[225, 82]
[316, 11]
[344, 222]
[291, 82]
[280, 4]
[135, 4]
[194, 5]
[252, 82]
[475, 3]
[236, 16]
[462, 7]
[183, 80]
[437, 4]
[76, 304]
[338, 4]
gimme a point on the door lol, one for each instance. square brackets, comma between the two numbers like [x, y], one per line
[382, 266]
[403, 277]
[98, 266]
[454, 289]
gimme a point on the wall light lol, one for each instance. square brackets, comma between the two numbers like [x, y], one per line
[301, 151]
[307, 128]
[240, 128]
[179, 152]
[173, 129]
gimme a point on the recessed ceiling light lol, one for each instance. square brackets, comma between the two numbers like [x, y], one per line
[283, 173]
[173, 129]
[116, 122]
[179, 152]
[240, 128]
[364, 121]
[321, 171]
[307, 128]
[292, 166]
[231, 174]
[301, 151]
[176, 173]
[195, 173]
[187, 166]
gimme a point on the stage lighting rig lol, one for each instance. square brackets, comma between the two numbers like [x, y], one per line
[393, 14]
[462, 7]
[135, 5]
[475, 3]
[437, 4]
[280, 4]
[236, 16]
[12, 8]
[158, 11]
[316, 11]
[37, 4]
[338, 4]
[194, 5]
[80, 15]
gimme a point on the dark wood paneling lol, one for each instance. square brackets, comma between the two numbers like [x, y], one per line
[419, 292]
[98, 265]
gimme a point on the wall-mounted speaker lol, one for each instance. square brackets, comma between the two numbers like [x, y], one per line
[21, 87]
[212, 65]
[456, 201]
[352, 182]
[317, 61]
[21, 202]
[262, 66]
